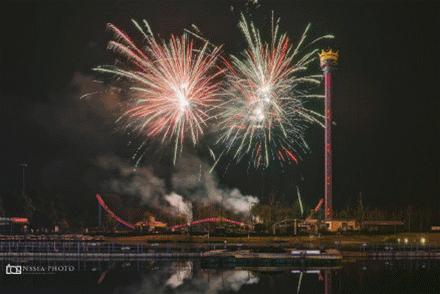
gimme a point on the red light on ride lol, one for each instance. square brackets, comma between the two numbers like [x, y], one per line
[19, 220]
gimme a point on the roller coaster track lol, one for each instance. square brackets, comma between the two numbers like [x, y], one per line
[102, 203]
[208, 220]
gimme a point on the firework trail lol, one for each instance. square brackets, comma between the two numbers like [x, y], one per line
[264, 116]
[174, 85]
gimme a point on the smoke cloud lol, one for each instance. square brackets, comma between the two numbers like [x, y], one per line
[179, 205]
[140, 182]
[193, 179]
[190, 181]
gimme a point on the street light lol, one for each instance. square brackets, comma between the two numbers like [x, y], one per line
[23, 187]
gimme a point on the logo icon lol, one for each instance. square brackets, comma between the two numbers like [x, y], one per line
[13, 269]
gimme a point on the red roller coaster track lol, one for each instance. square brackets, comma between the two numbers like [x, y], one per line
[112, 214]
[208, 220]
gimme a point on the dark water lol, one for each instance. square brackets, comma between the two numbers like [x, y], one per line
[416, 276]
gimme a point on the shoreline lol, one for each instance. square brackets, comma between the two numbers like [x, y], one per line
[412, 239]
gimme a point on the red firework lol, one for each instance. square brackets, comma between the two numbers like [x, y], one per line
[174, 84]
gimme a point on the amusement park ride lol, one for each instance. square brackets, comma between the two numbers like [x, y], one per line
[329, 60]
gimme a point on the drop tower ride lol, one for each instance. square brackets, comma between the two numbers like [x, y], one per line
[328, 60]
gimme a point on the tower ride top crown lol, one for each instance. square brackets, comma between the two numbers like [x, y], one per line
[328, 59]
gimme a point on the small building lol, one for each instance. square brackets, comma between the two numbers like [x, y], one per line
[309, 225]
[151, 225]
[435, 228]
[342, 225]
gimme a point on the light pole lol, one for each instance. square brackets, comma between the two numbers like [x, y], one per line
[23, 187]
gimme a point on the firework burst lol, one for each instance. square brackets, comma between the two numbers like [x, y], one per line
[173, 84]
[264, 115]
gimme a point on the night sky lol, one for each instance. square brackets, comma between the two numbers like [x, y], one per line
[386, 107]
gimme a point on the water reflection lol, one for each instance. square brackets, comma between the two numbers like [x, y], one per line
[185, 277]
[183, 273]
[190, 276]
